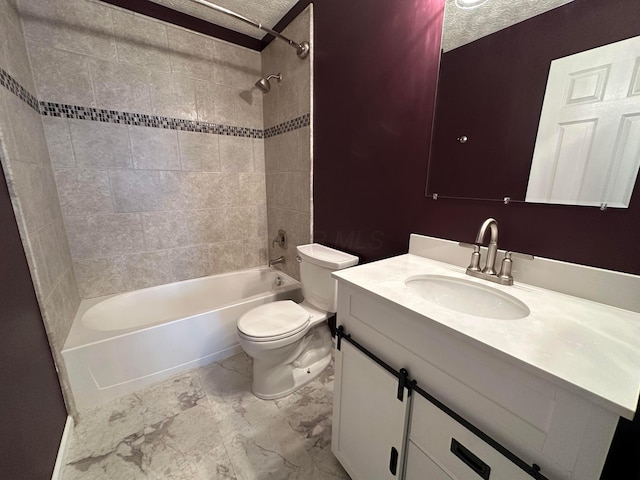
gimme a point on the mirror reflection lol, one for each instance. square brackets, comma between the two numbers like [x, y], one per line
[491, 93]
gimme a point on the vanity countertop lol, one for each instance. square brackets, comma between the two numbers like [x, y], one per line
[588, 347]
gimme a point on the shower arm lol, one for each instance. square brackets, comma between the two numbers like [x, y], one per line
[302, 49]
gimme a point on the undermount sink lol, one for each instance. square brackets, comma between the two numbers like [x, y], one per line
[467, 297]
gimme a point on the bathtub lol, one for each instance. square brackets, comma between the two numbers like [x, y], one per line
[119, 344]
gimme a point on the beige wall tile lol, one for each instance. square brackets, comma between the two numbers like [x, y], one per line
[140, 40]
[9, 12]
[73, 25]
[298, 228]
[59, 311]
[236, 154]
[146, 270]
[198, 190]
[101, 276]
[35, 188]
[199, 151]
[165, 230]
[190, 262]
[216, 103]
[96, 236]
[236, 66]
[119, 86]
[258, 155]
[54, 255]
[172, 95]
[58, 137]
[136, 190]
[28, 136]
[83, 191]
[6, 130]
[241, 222]
[37, 263]
[281, 153]
[192, 55]
[16, 60]
[238, 254]
[100, 145]
[206, 226]
[154, 148]
[249, 109]
[252, 189]
[61, 76]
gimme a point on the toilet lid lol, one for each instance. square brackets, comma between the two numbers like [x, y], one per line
[274, 319]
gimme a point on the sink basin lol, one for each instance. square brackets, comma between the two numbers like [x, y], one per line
[465, 296]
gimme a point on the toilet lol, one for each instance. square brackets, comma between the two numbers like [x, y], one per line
[290, 343]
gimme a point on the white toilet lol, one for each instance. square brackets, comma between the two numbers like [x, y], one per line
[290, 343]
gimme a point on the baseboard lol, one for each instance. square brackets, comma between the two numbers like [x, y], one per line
[62, 450]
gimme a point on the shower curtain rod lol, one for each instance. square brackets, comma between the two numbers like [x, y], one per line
[302, 48]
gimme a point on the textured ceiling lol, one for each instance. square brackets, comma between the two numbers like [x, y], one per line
[267, 12]
[465, 26]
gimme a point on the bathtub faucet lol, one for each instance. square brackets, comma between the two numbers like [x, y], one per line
[280, 259]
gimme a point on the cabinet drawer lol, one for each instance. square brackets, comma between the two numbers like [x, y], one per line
[456, 450]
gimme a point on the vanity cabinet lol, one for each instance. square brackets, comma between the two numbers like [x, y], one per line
[536, 420]
[370, 419]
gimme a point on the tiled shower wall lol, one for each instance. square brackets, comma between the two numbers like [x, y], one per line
[152, 204]
[28, 172]
[288, 157]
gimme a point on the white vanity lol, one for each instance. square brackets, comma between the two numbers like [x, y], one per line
[426, 391]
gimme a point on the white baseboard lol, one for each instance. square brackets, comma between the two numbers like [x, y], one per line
[62, 450]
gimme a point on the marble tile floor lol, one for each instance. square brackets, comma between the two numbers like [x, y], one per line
[206, 424]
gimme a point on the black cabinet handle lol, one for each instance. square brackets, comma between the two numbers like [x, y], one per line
[470, 459]
[393, 461]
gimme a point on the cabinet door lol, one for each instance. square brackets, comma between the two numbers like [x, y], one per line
[369, 421]
[420, 467]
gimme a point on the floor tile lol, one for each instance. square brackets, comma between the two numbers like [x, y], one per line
[204, 425]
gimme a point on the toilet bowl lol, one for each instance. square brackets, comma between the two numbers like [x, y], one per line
[290, 343]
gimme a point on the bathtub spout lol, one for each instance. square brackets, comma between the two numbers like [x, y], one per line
[273, 262]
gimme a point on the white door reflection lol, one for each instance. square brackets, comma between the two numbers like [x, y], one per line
[587, 149]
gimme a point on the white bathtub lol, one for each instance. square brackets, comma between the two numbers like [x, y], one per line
[119, 344]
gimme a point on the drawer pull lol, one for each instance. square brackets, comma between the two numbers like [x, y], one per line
[470, 459]
[393, 461]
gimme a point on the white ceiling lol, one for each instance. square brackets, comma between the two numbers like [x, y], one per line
[267, 12]
[465, 26]
[460, 26]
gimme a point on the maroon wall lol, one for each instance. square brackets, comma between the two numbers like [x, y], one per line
[33, 413]
[375, 74]
[375, 69]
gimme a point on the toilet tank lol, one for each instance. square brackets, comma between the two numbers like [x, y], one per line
[316, 264]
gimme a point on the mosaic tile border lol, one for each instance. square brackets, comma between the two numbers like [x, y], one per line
[61, 110]
[8, 82]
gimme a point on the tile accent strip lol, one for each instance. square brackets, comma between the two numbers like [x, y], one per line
[51, 109]
[10, 83]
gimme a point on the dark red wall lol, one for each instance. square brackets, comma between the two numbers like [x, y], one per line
[32, 411]
[375, 69]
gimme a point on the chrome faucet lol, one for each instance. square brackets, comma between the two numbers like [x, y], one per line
[275, 261]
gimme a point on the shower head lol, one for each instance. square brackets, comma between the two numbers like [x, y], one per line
[264, 85]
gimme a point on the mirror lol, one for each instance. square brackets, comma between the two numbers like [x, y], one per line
[491, 92]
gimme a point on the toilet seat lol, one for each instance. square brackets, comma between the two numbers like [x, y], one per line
[273, 321]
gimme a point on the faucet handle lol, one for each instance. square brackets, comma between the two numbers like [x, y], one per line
[474, 265]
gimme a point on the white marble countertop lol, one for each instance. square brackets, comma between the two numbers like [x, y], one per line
[590, 347]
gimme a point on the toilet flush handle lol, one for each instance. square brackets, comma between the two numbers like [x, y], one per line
[298, 258]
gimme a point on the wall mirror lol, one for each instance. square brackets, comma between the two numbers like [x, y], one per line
[494, 81]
